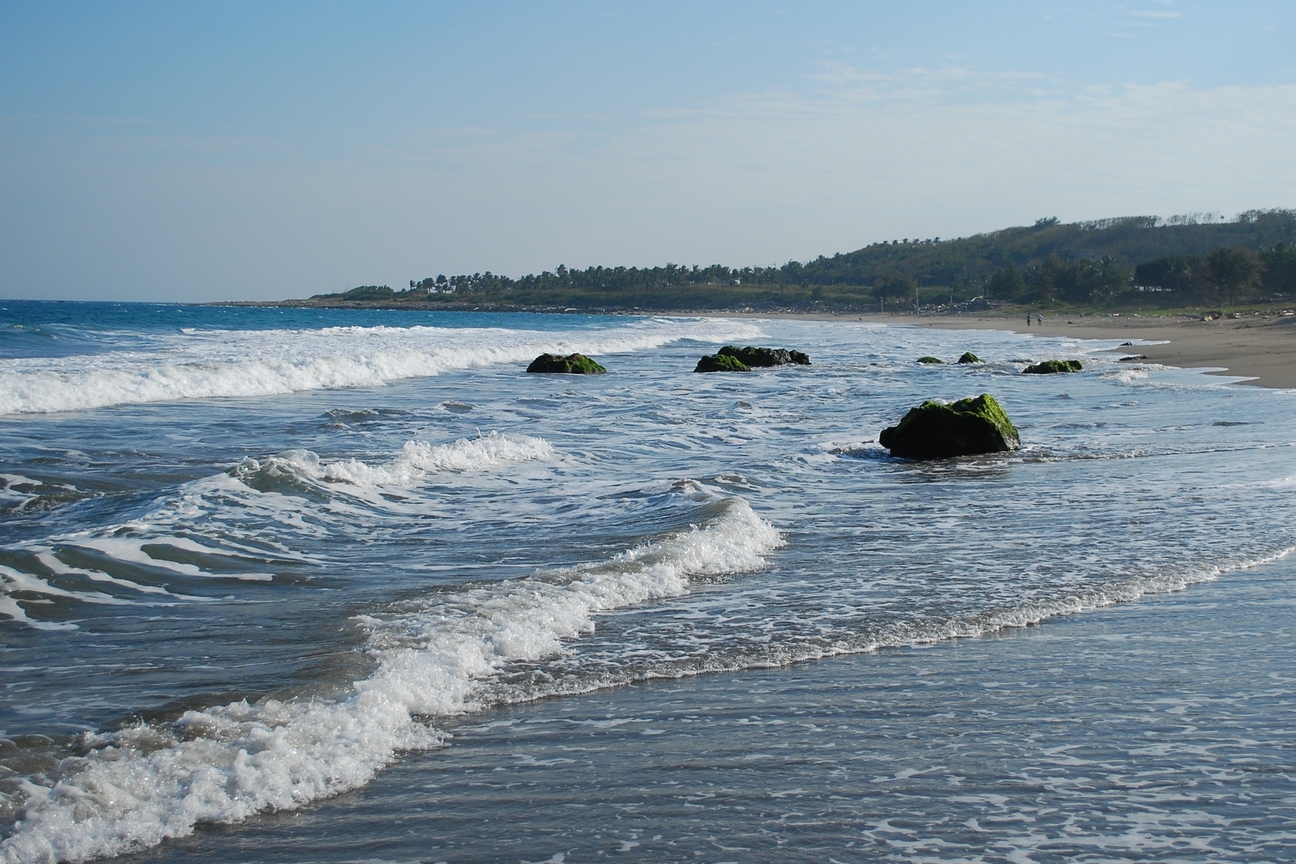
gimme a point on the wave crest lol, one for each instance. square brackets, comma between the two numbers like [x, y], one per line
[246, 363]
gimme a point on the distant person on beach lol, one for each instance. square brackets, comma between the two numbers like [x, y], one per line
[1027, 319]
[1039, 319]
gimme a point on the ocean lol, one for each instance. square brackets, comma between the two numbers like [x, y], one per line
[344, 585]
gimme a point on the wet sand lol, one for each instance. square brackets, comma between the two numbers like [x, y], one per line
[1260, 349]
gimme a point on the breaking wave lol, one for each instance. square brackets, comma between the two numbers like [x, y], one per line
[207, 364]
[142, 785]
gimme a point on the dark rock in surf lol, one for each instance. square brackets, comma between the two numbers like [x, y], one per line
[1133, 358]
[764, 357]
[939, 430]
[721, 363]
[969, 357]
[572, 364]
[1053, 367]
[931, 361]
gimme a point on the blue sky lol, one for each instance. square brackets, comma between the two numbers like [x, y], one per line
[246, 150]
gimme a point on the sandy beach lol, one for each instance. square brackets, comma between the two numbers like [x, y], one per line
[1261, 349]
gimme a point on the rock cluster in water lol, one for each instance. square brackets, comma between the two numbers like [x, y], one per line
[572, 364]
[721, 363]
[762, 357]
[939, 430]
[732, 359]
[1053, 367]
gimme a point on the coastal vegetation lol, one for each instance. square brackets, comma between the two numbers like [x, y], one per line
[1141, 261]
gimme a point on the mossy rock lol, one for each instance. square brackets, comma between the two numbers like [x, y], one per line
[721, 363]
[937, 430]
[1053, 367]
[572, 364]
[765, 357]
[931, 361]
[969, 357]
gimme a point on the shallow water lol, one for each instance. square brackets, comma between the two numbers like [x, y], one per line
[1156, 731]
[252, 557]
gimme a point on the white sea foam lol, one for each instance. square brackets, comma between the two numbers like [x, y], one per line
[419, 458]
[12, 580]
[47, 558]
[138, 542]
[16, 491]
[143, 785]
[222, 364]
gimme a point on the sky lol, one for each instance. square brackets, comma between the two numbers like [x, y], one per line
[241, 151]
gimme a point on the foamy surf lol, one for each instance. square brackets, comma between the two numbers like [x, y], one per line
[417, 459]
[158, 541]
[203, 364]
[148, 783]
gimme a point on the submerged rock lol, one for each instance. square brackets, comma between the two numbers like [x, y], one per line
[931, 361]
[1053, 367]
[937, 430]
[969, 357]
[572, 364]
[762, 357]
[721, 363]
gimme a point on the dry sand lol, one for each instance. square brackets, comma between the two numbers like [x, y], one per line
[1261, 349]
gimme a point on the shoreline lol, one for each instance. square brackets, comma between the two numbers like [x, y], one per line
[1259, 349]
[1051, 700]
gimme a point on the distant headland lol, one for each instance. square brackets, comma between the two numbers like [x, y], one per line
[1142, 262]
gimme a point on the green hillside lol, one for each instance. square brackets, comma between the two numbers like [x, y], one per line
[1111, 262]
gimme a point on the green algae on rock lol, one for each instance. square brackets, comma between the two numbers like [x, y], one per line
[764, 357]
[969, 357]
[1053, 367]
[721, 363]
[572, 364]
[931, 361]
[939, 430]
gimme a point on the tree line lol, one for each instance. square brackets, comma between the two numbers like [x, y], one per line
[1184, 260]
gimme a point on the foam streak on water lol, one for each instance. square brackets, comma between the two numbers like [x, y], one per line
[154, 541]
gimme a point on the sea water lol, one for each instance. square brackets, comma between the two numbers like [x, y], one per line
[253, 557]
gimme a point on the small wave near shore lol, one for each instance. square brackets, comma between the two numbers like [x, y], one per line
[144, 784]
